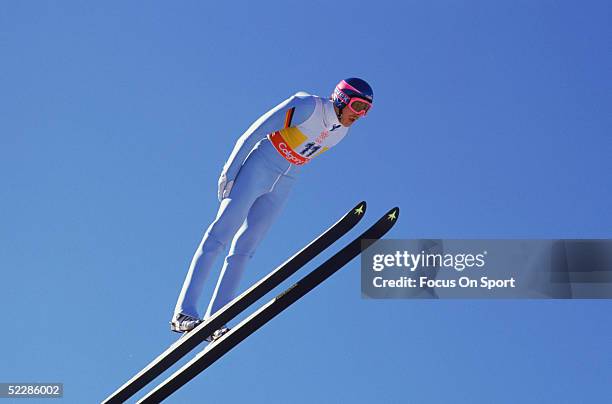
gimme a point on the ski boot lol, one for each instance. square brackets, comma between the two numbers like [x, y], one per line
[184, 322]
[217, 334]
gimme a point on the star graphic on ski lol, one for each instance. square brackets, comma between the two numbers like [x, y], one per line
[359, 210]
[392, 215]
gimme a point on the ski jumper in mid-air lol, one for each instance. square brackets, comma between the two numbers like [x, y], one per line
[255, 182]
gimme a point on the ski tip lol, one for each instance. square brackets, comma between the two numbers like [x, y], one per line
[360, 208]
[393, 214]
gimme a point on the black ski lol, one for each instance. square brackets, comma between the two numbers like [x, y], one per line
[193, 338]
[267, 312]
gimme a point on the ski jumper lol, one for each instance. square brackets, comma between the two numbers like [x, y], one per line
[264, 165]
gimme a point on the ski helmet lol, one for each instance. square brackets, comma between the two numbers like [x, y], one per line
[351, 88]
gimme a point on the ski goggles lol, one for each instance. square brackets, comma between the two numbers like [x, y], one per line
[359, 106]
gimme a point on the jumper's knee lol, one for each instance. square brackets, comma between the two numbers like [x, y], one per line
[241, 255]
[211, 244]
[223, 228]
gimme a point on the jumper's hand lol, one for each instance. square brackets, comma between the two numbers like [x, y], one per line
[225, 187]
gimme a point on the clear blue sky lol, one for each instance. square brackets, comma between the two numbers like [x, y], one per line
[491, 120]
